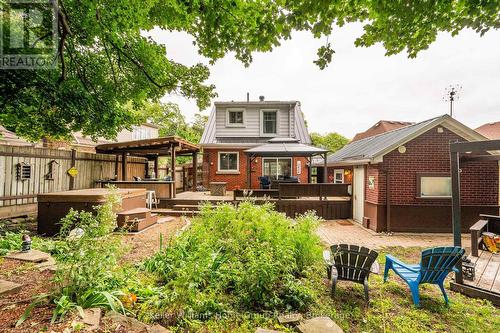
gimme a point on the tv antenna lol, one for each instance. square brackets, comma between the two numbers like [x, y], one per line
[452, 93]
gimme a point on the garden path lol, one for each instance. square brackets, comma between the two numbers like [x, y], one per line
[350, 232]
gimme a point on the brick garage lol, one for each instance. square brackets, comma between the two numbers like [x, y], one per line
[394, 203]
[239, 179]
[427, 154]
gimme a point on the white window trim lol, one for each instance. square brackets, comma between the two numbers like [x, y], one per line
[335, 172]
[262, 122]
[237, 170]
[275, 159]
[228, 124]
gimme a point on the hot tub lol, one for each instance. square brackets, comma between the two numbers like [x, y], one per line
[52, 207]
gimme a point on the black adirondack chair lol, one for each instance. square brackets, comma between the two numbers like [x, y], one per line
[350, 263]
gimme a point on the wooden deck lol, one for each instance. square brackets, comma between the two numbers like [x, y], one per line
[329, 208]
[203, 196]
[487, 272]
[486, 284]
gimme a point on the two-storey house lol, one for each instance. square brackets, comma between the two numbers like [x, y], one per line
[234, 127]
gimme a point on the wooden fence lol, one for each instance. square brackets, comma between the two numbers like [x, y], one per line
[27, 171]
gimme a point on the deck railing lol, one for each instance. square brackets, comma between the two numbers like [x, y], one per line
[322, 190]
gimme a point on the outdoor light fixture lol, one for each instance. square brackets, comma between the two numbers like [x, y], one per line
[26, 244]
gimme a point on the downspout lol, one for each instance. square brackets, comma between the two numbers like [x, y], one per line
[388, 201]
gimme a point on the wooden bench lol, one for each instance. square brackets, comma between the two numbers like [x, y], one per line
[475, 236]
[489, 223]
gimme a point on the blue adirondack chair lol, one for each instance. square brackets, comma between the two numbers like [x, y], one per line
[435, 265]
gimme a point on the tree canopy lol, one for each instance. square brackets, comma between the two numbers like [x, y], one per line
[105, 62]
[331, 141]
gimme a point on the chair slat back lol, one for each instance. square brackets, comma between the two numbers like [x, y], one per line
[352, 262]
[437, 263]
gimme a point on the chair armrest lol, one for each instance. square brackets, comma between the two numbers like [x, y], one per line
[388, 257]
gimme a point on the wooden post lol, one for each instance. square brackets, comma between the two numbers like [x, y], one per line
[155, 167]
[172, 165]
[124, 166]
[309, 169]
[184, 178]
[73, 163]
[117, 161]
[456, 209]
[195, 171]
[249, 172]
[325, 173]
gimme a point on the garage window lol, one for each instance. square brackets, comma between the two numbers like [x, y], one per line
[433, 186]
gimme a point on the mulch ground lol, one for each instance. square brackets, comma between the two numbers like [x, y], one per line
[34, 282]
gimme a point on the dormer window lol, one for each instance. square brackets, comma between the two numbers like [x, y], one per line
[235, 118]
[269, 122]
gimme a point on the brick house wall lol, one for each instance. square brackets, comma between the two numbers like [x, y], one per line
[428, 153]
[239, 179]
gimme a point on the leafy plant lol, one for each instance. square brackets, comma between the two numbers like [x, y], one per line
[245, 258]
[87, 273]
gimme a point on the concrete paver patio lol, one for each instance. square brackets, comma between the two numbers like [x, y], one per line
[350, 232]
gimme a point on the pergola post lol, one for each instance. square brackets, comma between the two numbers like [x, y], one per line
[325, 172]
[124, 166]
[172, 165]
[117, 161]
[455, 203]
[249, 171]
[155, 166]
[309, 169]
[195, 171]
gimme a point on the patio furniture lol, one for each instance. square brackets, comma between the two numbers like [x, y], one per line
[265, 182]
[349, 263]
[218, 189]
[435, 265]
[151, 199]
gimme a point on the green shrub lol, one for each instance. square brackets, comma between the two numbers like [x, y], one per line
[245, 258]
[88, 273]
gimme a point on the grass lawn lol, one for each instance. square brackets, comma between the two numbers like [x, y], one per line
[391, 308]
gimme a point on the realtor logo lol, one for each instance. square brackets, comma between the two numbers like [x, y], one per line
[28, 34]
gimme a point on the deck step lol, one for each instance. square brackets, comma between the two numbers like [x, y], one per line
[138, 224]
[175, 212]
[186, 207]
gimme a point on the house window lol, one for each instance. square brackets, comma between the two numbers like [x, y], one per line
[299, 167]
[277, 168]
[235, 118]
[269, 122]
[433, 186]
[229, 162]
[338, 176]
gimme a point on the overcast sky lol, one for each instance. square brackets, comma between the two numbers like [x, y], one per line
[361, 85]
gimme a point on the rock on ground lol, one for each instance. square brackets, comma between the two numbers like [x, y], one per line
[7, 287]
[319, 325]
[30, 256]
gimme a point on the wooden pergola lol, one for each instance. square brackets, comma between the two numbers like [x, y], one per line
[152, 149]
[467, 151]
